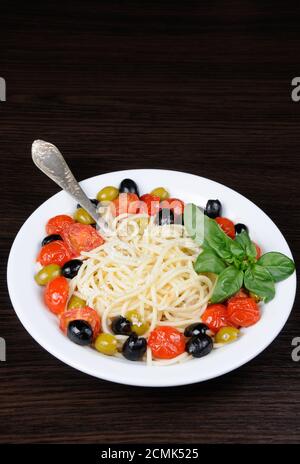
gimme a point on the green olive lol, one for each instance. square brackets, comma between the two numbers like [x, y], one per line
[82, 216]
[160, 192]
[106, 343]
[47, 274]
[226, 335]
[108, 194]
[76, 302]
[137, 325]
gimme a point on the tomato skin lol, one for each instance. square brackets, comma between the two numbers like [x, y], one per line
[56, 224]
[215, 317]
[149, 204]
[258, 250]
[242, 293]
[166, 342]
[227, 226]
[243, 312]
[174, 204]
[85, 314]
[81, 237]
[56, 294]
[56, 252]
[125, 203]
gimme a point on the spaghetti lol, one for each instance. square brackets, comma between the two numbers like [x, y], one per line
[146, 268]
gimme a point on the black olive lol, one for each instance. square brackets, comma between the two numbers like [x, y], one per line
[134, 348]
[51, 238]
[128, 186]
[80, 332]
[70, 268]
[195, 329]
[121, 326]
[93, 200]
[240, 227]
[199, 345]
[213, 209]
[164, 217]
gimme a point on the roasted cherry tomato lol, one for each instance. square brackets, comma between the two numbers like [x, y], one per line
[258, 250]
[215, 317]
[227, 225]
[81, 237]
[149, 204]
[175, 205]
[56, 294]
[56, 224]
[243, 312]
[54, 253]
[83, 314]
[125, 203]
[166, 342]
[242, 293]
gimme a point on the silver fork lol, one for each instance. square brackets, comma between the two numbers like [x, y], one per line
[51, 162]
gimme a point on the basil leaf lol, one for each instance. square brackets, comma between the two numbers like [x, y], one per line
[244, 240]
[209, 261]
[279, 266]
[258, 280]
[229, 282]
[206, 231]
[218, 240]
[194, 222]
[237, 251]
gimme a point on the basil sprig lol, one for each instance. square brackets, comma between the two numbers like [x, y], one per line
[229, 282]
[279, 266]
[209, 261]
[259, 281]
[234, 261]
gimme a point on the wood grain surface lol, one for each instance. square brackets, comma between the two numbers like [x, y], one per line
[202, 87]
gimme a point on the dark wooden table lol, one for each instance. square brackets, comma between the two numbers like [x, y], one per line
[202, 87]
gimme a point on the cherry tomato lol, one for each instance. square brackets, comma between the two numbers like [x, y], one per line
[175, 205]
[227, 226]
[125, 203]
[243, 311]
[215, 317]
[83, 314]
[56, 252]
[56, 294]
[242, 293]
[258, 250]
[81, 237]
[166, 342]
[149, 204]
[56, 224]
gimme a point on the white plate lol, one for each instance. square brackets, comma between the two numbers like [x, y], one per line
[26, 296]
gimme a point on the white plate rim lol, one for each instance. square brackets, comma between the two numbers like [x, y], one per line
[138, 374]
